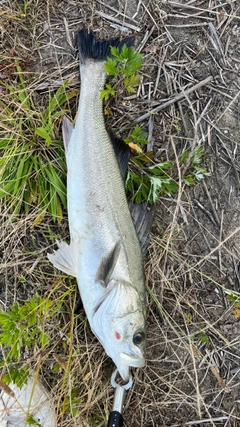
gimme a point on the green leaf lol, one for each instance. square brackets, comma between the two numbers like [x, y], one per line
[184, 158]
[44, 339]
[115, 52]
[111, 67]
[197, 156]
[158, 168]
[18, 376]
[203, 337]
[106, 93]
[57, 100]
[30, 420]
[189, 180]
[163, 184]
[131, 68]
[126, 53]
[137, 136]
[130, 89]
[201, 172]
[133, 80]
[129, 55]
[42, 132]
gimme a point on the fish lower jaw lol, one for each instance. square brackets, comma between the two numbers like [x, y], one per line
[132, 361]
[127, 361]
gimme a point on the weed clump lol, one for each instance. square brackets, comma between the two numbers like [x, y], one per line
[32, 163]
[147, 178]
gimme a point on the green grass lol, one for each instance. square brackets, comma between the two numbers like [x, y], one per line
[32, 165]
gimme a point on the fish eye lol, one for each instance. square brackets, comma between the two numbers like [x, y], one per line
[138, 337]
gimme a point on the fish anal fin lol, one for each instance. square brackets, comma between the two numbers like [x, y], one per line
[142, 216]
[65, 258]
[67, 128]
[107, 265]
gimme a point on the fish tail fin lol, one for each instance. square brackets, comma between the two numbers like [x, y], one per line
[89, 47]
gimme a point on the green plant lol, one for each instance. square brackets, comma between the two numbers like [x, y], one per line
[200, 334]
[24, 326]
[177, 122]
[198, 172]
[147, 178]
[72, 402]
[137, 139]
[123, 68]
[203, 338]
[32, 165]
[235, 298]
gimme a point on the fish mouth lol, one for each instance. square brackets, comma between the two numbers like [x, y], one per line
[127, 361]
[135, 362]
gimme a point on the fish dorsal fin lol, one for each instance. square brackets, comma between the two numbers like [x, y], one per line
[65, 258]
[67, 129]
[107, 265]
[122, 152]
[142, 216]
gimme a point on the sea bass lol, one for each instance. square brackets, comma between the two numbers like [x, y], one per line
[104, 253]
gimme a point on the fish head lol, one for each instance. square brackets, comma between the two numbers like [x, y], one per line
[119, 323]
[128, 346]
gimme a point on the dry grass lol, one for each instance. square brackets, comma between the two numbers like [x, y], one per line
[190, 81]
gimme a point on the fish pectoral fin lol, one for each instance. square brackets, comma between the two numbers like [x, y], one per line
[67, 129]
[107, 265]
[65, 258]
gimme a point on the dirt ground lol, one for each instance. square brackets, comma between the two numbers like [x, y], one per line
[192, 377]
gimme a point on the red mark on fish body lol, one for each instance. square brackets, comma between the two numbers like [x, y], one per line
[117, 335]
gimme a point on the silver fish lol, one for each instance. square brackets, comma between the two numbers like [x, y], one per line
[104, 253]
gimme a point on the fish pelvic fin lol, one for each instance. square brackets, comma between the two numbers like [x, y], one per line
[67, 129]
[89, 47]
[65, 258]
[107, 265]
